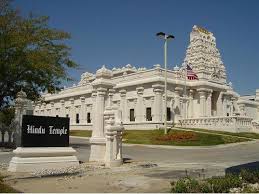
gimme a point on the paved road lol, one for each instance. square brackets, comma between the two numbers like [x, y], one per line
[222, 156]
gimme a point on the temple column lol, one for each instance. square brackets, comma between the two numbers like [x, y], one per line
[62, 109]
[177, 108]
[98, 135]
[190, 108]
[40, 109]
[44, 109]
[123, 105]
[110, 97]
[140, 107]
[232, 99]
[39, 106]
[94, 94]
[181, 108]
[242, 109]
[72, 111]
[98, 113]
[220, 105]
[235, 105]
[33, 107]
[158, 89]
[184, 107]
[37, 109]
[202, 94]
[82, 117]
[52, 109]
[101, 84]
[172, 101]
[209, 94]
[224, 105]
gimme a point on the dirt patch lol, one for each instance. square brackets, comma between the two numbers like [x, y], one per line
[130, 177]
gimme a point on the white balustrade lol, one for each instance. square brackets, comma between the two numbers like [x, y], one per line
[255, 126]
[230, 123]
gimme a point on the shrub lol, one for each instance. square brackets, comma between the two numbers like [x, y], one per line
[190, 185]
[223, 184]
[250, 189]
[211, 185]
[245, 182]
[179, 186]
[250, 176]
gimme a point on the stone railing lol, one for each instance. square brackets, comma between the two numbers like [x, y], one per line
[230, 123]
[255, 125]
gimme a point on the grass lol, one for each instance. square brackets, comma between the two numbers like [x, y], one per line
[177, 138]
[243, 134]
[174, 137]
[4, 188]
[81, 133]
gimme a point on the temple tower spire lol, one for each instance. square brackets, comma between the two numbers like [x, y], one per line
[204, 57]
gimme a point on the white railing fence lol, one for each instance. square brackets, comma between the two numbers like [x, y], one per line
[255, 126]
[228, 123]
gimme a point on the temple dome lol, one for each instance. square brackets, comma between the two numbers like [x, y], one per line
[176, 68]
[103, 73]
[21, 94]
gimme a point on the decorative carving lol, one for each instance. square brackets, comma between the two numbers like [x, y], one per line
[103, 73]
[85, 77]
[140, 90]
[203, 55]
[216, 74]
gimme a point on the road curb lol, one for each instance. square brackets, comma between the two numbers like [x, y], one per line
[78, 137]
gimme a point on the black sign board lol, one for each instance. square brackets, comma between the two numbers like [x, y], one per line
[41, 131]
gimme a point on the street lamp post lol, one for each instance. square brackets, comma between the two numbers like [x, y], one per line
[165, 37]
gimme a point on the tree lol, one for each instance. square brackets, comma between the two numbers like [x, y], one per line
[6, 116]
[33, 56]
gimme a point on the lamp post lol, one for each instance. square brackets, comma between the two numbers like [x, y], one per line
[165, 37]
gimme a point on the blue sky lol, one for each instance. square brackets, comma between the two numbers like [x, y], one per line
[118, 32]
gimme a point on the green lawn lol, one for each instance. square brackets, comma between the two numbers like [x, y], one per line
[81, 133]
[4, 188]
[177, 137]
[174, 137]
[247, 135]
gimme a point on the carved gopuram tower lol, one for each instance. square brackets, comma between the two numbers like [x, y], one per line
[204, 57]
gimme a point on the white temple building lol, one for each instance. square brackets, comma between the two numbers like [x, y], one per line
[209, 102]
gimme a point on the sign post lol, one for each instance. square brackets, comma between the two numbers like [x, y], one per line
[41, 131]
[44, 145]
